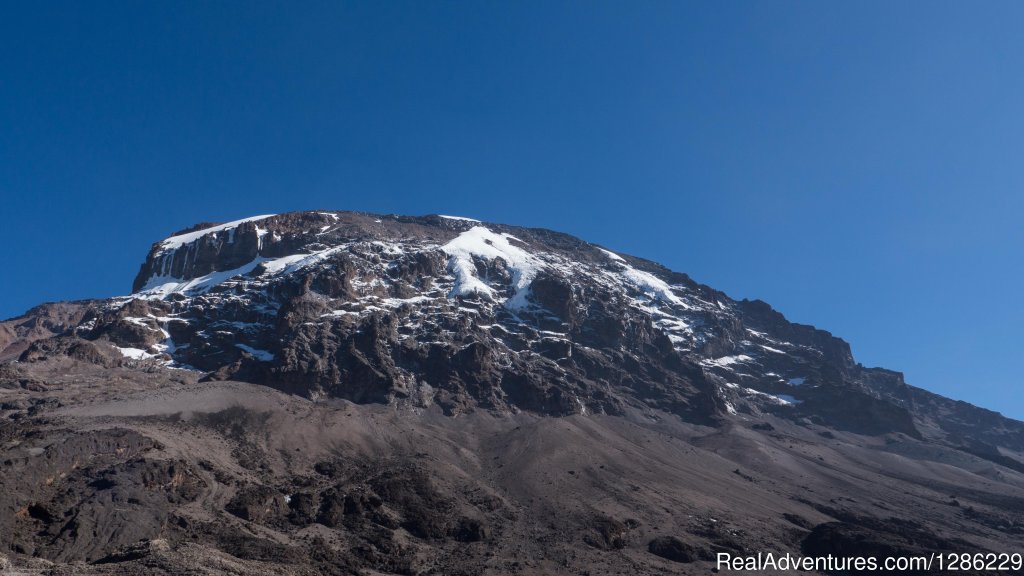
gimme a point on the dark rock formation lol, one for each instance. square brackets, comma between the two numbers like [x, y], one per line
[672, 548]
[465, 315]
[333, 392]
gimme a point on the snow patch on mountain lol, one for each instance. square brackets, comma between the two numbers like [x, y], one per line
[175, 242]
[787, 399]
[160, 287]
[293, 262]
[261, 355]
[134, 353]
[654, 287]
[651, 285]
[481, 242]
[612, 255]
[729, 360]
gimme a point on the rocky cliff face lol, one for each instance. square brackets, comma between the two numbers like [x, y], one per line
[470, 315]
[330, 392]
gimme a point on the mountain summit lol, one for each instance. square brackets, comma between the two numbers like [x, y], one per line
[464, 314]
[484, 336]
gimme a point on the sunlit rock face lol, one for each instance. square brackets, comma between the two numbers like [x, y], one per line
[469, 315]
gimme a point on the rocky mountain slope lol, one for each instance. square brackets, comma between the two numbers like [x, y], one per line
[351, 393]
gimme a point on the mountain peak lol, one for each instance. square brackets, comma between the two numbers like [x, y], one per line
[441, 381]
[470, 315]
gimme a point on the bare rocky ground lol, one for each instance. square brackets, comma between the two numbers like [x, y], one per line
[135, 471]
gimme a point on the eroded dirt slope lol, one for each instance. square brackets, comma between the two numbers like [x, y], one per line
[116, 470]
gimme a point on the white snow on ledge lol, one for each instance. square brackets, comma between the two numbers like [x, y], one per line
[612, 255]
[261, 355]
[293, 262]
[161, 287]
[728, 360]
[652, 286]
[175, 242]
[483, 243]
[134, 353]
[463, 218]
[787, 399]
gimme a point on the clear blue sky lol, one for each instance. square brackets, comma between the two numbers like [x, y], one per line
[855, 164]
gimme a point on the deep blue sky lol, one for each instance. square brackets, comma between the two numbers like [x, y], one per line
[857, 165]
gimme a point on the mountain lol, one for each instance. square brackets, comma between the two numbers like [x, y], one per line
[337, 392]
